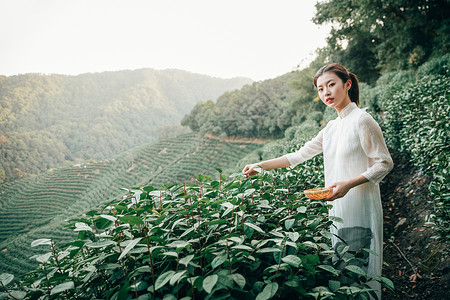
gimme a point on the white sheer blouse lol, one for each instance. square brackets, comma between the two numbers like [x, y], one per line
[353, 145]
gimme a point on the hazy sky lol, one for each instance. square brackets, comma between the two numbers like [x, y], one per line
[259, 39]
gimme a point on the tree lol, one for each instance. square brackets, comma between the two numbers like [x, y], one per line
[370, 36]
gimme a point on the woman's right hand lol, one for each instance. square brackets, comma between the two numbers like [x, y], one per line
[252, 169]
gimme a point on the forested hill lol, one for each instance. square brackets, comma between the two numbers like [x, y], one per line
[47, 120]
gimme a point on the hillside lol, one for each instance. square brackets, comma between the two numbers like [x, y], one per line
[48, 120]
[36, 207]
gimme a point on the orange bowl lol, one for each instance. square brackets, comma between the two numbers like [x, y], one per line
[319, 193]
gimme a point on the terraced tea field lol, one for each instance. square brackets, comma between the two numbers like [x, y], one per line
[36, 207]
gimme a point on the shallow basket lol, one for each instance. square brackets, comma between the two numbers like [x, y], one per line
[319, 193]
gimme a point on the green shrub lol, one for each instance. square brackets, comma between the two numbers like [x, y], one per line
[436, 66]
[247, 238]
[417, 122]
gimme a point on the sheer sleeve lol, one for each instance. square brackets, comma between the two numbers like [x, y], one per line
[309, 150]
[374, 146]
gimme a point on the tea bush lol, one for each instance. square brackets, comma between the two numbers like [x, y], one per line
[245, 238]
[417, 122]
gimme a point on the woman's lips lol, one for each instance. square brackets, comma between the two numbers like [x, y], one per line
[328, 100]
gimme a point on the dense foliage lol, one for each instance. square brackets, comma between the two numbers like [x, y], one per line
[372, 37]
[47, 120]
[252, 238]
[417, 123]
[36, 207]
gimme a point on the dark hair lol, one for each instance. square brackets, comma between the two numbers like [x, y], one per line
[344, 75]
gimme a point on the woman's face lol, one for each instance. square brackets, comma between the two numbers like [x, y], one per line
[332, 91]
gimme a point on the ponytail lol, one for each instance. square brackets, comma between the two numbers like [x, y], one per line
[353, 92]
[344, 75]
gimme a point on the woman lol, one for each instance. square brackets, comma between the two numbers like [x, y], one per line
[356, 159]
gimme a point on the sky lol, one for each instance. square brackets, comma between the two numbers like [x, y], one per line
[259, 39]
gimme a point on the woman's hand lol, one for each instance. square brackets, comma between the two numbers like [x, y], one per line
[340, 189]
[250, 170]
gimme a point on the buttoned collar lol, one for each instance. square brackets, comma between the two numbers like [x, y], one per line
[347, 110]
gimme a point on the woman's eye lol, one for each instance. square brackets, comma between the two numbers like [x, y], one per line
[331, 84]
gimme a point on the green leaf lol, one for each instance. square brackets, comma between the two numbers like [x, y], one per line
[370, 251]
[268, 250]
[132, 220]
[242, 247]
[255, 227]
[209, 283]
[292, 260]
[108, 217]
[82, 227]
[44, 257]
[301, 210]
[329, 269]
[218, 260]
[289, 223]
[130, 246]
[239, 279]
[6, 278]
[41, 242]
[356, 269]
[178, 276]
[334, 285]
[101, 244]
[163, 279]
[178, 244]
[62, 287]
[268, 292]
[387, 282]
[18, 294]
[186, 260]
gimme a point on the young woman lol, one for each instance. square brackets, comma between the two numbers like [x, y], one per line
[356, 159]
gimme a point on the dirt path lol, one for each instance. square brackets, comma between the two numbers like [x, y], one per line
[418, 265]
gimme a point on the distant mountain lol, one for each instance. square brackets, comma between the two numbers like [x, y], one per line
[48, 120]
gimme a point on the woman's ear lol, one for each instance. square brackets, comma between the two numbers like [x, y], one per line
[348, 85]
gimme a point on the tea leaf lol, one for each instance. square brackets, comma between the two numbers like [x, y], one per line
[292, 260]
[242, 247]
[101, 244]
[209, 283]
[108, 217]
[6, 278]
[44, 257]
[268, 250]
[163, 279]
[41, 242]
[239, 279]
[177, 277]
[62, 287]
[268, 292]
[255, 227]
[387, 282]
[289, 223]
[130, 246]
[334, 285]
[186, 260]
[329, 269]
[218, 260]
[356, 269]
[82, 227]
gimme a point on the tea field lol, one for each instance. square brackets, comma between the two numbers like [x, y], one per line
[37, 207]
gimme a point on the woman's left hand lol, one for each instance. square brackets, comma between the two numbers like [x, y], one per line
[340, 189]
